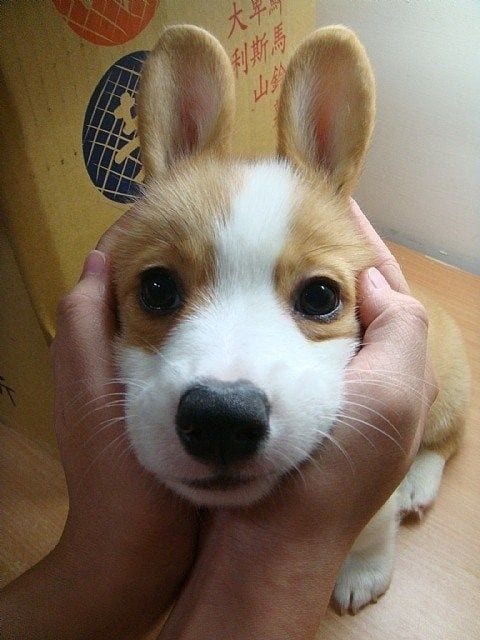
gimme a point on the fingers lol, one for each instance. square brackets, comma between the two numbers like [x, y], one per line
[94, 265]
[385, 262]
[396, 329]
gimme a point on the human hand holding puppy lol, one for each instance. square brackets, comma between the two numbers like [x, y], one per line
[265, 571]
[268, 570]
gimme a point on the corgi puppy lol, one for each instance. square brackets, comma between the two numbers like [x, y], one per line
[236, 285]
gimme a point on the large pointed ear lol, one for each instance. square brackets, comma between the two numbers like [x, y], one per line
[327, 106]
[186, 98]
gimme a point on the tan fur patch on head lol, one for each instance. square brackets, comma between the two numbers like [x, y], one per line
[172, 227]
[323, 241]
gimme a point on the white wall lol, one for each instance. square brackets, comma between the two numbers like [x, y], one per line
[421, 184]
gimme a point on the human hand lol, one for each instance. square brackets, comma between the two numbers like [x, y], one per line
[122, 524]
[127, 542]
[280, 557]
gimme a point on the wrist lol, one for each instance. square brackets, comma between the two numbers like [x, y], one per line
[81, 591]
[255, 582]
[41, 603]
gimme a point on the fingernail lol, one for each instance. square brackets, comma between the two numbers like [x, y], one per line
[94, 264]
[377, 279]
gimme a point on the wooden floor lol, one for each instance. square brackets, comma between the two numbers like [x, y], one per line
[435, 593]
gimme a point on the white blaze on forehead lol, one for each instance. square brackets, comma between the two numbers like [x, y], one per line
[249, 242]
[244, 316]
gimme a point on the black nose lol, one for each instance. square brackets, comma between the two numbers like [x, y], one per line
[222, 422]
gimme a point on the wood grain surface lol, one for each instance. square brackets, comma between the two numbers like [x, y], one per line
[435, 593]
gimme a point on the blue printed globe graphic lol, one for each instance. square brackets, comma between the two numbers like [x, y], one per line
[110, 137]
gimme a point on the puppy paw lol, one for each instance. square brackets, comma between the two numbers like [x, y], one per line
[420, 486]
[363, 579]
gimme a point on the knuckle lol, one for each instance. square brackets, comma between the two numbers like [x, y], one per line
[388, 262]
[64, 307]
[67, 306]
[72, 304]
[414, 312]
[405, 312]
[390, 268]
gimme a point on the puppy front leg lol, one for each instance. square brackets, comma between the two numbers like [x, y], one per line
[420, 486]
[367, 571]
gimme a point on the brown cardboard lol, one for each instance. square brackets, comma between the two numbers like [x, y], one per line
[26, 402]
[50, 67]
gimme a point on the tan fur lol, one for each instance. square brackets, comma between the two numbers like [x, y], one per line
[197, 191]
[183, 112]
[446, 348]
[322, 242]
[172, 229]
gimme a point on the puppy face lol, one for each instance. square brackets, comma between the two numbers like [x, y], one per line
[236, 280]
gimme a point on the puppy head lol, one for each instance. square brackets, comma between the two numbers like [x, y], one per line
[235, 280]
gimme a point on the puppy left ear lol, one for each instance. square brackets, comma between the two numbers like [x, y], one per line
[186, 99]
[327, 106]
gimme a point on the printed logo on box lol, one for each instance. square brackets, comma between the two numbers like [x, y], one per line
[110, 143]
[107, 22]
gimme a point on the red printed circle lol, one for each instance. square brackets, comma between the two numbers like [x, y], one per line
[107, 22]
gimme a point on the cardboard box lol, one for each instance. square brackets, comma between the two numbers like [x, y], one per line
[26, 399]
[69, 158]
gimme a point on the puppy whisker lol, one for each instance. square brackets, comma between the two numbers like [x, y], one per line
[374, 411]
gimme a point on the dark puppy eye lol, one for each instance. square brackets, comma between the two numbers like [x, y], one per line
[318, 298]
[159, 291]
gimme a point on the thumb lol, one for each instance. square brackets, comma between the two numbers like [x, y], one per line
[94, 265]
[392, 321]
[89, 306]
[86, 325]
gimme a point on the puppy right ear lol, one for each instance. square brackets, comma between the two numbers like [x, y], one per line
[327, 106]
[186, 98]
